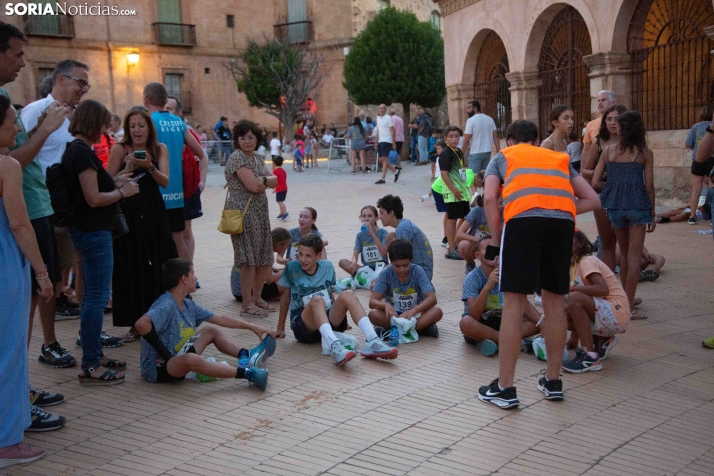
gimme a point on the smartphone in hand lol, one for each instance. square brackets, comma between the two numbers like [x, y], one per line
[492, 252]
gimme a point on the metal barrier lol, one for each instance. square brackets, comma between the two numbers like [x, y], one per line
[340, 150]
[218, 151]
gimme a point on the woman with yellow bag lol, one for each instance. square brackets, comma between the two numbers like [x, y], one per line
[247, 204]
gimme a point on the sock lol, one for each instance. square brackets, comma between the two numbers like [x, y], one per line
[240, 373]
[367, 328]
[328, 333]
[501, 388]
[594, 355]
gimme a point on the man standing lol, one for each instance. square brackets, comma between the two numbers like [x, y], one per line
[399, 135]
[479, 132]
[605, 99]
[540, 194]
[413, 134]
[172, 131]
[223, 134]
[386, 141]
[192, 203]
[426, 128]
[115, 129]
[40, 212]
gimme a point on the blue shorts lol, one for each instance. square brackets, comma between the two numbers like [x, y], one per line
[625, 218]
[439, 200]
[280, 196]
[306, 336]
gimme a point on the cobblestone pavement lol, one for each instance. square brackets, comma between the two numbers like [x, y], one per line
[650, 411]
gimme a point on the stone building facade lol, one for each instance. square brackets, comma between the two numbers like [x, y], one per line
[187, 44]
[522, 57]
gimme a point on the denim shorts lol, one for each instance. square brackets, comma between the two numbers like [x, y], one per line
[625, 218]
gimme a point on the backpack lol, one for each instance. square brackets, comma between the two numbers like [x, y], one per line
[59, 197]
[191, 172]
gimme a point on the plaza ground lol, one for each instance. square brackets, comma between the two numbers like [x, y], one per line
[648, 412]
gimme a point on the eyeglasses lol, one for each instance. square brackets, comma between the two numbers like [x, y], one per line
[82, 83]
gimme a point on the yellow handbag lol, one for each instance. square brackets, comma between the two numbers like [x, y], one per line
[232, 220]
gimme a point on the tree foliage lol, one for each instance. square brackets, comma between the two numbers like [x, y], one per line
[396, 59]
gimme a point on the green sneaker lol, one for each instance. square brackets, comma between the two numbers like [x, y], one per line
[708, 343]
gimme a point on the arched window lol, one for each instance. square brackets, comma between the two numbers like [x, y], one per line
[491, 88]
[672, 71]
[436, 20]
[563, 74]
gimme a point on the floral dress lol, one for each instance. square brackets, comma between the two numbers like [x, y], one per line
[254, 246]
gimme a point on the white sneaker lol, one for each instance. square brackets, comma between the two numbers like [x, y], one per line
[538, 300]
[423, 197]
[341, 355]
[377, 349]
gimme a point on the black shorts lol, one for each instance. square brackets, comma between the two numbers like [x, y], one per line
[280, 196]
[162, 373]
[457, 210]
[533, 247]
[383, 149]
[399, 148]
[703, 169]
[491, 319]
[305, 335]
[439, 201]
[47, 242]
[177, 220]
[192, 206]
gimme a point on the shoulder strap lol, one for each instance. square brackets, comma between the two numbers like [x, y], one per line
[636, 155]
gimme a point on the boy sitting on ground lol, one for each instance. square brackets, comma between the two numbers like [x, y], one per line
[315, 314]
[171, 348]
[483, 304]
[408, 292]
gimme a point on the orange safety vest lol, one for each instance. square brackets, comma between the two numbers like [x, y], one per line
[536, 178]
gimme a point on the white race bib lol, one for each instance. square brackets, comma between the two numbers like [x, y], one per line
[323, 293]
[292, 255]
[462, 174]
[405, 302]
[189, 343]
[370, 254]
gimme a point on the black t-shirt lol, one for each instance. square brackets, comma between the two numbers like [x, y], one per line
[77, 158]
[449, 159]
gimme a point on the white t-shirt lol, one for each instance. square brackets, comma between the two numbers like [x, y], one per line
[55, 145]
[327, 138]
[274, 146]
[383, 125]
[481, 128]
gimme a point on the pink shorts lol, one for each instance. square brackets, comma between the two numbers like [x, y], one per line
[606, 324]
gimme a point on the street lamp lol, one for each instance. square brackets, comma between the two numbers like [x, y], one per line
[132, 59]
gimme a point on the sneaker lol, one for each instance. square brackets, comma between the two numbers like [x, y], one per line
[280, 217]
[423, 197]
[20, 453]
[552, 389]
[107, 341]
[285, 217]
[445, 243]
[692, 221]
[260, 353]
[365, 170]
[341, 355]
[527, 345]
[582, 362]
[648, 275]
[56, 356]
[487, 347]
[396, 175]
[377, 349]
[41, 398]
[538, 300]
[453, 254]
[382, 332]
[708, 343]
[379, 182]
[603, 345]
[65, 313]
[505, 398]
[43, 421]
[471, 341]
[469, 267]
[431, 331]
[243, 358]
[257, 376]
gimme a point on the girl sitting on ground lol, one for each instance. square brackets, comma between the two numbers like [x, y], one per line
[306, 224]
[371, 243]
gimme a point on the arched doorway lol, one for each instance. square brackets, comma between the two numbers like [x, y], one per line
[563, 74]
[672, 71]
[491, 88]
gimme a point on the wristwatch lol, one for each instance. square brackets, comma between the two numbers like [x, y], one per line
[265, 180]
[151, 169]
[709, 130]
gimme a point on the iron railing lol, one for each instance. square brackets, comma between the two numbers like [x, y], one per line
[295, 32]
[569, 86]
[671, 81]
[175, 34]
[495, 99]
[56, 26]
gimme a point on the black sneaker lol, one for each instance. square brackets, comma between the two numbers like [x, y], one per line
[379, 182]
[431, 331]
[505, 398]
[692, 221]
[582, 362]
[55, 356]
[552, 389]
[445, 243]
[43, 421]
[396, 175]
[40, 398]
[107, 341]
[63, 301]
[603, 345]
[65, 312]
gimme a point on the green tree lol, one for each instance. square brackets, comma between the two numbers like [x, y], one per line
[396, 59]
[278, 77]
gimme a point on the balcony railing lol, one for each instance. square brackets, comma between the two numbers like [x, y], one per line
[295, 33]
[175, 34]
[55, 26]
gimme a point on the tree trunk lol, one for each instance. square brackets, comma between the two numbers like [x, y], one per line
[406, 147]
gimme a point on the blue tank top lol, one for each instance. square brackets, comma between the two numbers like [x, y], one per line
[625, 186]
[170, 131]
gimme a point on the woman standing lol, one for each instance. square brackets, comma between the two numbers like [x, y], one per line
[93, 195]
[17, 246]
[140, 254]
[628, 197]
[202, 137]
[561, 124]
[248, 178]
[607, 136]
[357, 143]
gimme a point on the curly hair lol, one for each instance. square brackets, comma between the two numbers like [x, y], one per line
[392, 203]
[632, 132]
[242, 128]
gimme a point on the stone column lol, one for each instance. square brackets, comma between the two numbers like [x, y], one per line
[458, 95]
[524, 94]
[610, 71]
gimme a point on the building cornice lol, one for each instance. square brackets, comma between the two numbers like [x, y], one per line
[447, 7]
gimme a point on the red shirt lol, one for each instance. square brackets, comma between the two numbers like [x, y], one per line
[282, 179]
[102, 149]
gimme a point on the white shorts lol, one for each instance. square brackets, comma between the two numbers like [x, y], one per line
[606, 324]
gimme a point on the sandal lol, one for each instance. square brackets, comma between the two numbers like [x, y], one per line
[109, 377]
[636, 302]
[649, 275]
[265, 305]
[113, 364]
[251, 311]
[131, 336]
[637, 316]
